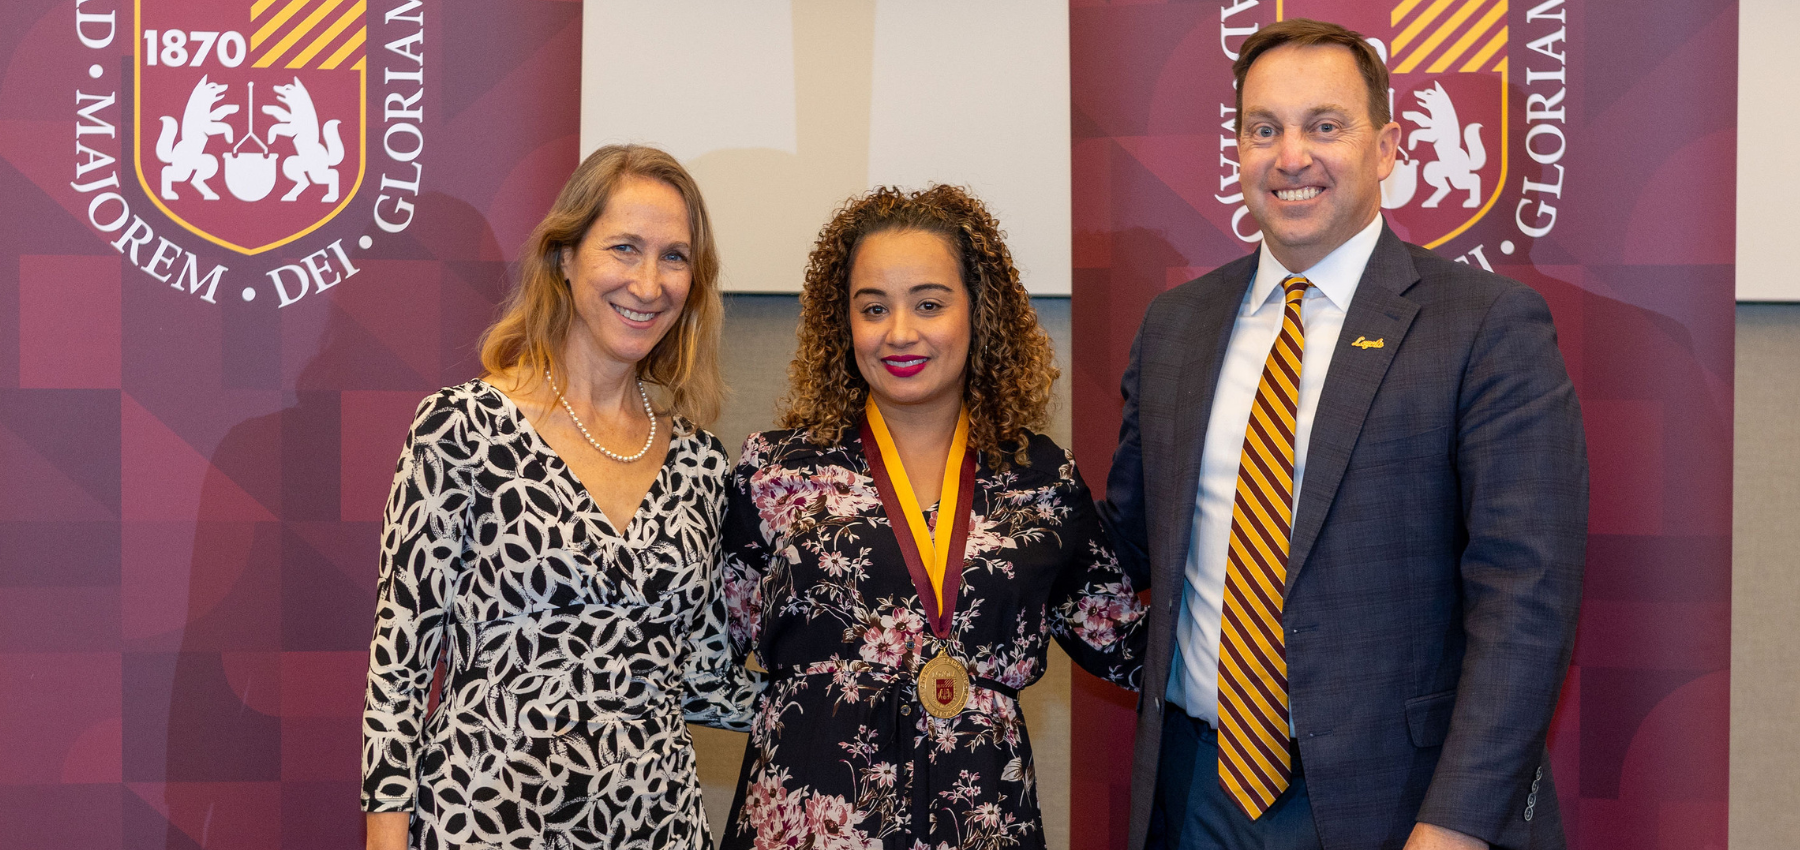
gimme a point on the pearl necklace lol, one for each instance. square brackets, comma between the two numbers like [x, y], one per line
[648, 441]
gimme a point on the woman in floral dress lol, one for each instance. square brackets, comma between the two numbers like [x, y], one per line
[891, 717]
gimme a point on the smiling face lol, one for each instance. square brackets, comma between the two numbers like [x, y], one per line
[1312, 159]
[631, 272]
[909, 319]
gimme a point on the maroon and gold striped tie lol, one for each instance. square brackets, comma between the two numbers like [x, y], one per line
[1254, 764]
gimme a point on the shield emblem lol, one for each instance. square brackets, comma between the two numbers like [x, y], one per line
[1447, 67]
[250, 115]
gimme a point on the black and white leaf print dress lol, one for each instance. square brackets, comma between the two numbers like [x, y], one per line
[572, 649]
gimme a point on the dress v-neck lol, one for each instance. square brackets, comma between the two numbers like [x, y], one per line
[589, 507]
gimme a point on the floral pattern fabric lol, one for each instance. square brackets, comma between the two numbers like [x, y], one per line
[842, 754]
[573, 646]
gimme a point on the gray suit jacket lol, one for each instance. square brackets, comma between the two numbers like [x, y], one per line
[1435, 566]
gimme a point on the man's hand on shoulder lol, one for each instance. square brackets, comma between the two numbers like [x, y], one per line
[1428, 837]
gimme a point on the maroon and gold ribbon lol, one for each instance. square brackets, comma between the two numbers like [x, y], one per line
[938, 579]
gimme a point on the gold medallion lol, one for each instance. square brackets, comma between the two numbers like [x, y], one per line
[944, 686]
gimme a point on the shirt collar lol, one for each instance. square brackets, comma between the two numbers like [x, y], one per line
[1336, 276]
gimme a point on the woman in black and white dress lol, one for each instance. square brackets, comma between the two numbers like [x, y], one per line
[552, 539]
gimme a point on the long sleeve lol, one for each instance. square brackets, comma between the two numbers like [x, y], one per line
[421, 541]
[1123, 510]
[717, 689]
[1521, 462]
[1095, 612]
[744, 552]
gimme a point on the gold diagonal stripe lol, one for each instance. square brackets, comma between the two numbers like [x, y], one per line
[1261, 606]
[1267, 645]
[1255, 767]
[1500, 66]
[1418, 25]
[1286, 391]
[1264, 641]
[1290, 340]
[1280, 451]
[1401, 10]
[1253, 760]
[1248, 477]
[1254, 691]
[269, 27]
[1272, 726]
[259, 7]
[329, 35]
[1265, 598]
[1247, 555]
[1287, 351]
[1462, 45]
[1258, 702]
[1487, 51]
[1267, 653]
[1258, 749]
[1274, 460]
[1287, 358]
[1283, 470]
[1257, 787]
[1263, 697]
[351, 45]
[1273, 500]
[1279, 422]
[1425, 48]
[1250, 558]
[1256, 544]
[1252, 796]
[1267, 545]
[273, 54]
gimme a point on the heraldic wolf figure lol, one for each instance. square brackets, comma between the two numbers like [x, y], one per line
[187, 159]
[316, 148]
[1454, 166]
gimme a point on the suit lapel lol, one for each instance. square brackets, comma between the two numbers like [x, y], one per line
[1214, 314]
[1377, 312]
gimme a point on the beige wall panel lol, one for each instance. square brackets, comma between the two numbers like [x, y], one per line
[783, 110]
[1765, 581]
[1768, 225]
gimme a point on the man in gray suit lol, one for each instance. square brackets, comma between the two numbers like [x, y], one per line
[1354, 477]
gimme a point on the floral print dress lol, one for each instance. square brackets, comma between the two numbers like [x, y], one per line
[842, 754]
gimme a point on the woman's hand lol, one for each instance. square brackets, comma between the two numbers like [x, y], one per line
[387, 830]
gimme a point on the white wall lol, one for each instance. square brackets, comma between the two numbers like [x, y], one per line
[1768, 219]
[782, 109]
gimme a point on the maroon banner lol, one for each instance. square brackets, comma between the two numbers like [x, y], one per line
[241, 240]
[1585, 148]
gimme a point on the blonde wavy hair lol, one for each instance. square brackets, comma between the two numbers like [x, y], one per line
[534, 320]
[1010, 367]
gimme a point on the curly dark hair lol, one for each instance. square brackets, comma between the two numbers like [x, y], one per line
[1010, 367]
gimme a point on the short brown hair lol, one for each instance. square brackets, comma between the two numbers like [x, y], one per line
[1010, 367]
[534, 319]
[1306, 32]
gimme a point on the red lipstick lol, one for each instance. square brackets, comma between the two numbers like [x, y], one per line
[905, 367]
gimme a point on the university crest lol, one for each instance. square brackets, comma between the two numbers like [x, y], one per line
[250, 115]
[1447, 66]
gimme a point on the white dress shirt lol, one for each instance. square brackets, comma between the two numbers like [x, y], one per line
[1194, 676]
